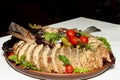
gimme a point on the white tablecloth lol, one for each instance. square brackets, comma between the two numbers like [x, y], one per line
[109, 30]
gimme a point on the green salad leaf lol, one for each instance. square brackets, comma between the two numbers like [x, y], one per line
[88, 46]
[22, 58]
[32, 25]
[81, 70]
[83, 34]
[64, 60]
[106, 43]
[51, 37]
[14, 58]
[25, 64]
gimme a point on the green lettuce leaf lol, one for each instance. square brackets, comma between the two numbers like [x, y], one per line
[14, 58]
[51, 37]
[106, 43]
[81, 70]
[64, 60]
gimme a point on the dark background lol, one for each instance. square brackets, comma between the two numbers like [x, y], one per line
[47, 12]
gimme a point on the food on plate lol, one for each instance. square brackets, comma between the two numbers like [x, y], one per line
[58, 50]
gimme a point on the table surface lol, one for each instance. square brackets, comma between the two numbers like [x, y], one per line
[109, 30]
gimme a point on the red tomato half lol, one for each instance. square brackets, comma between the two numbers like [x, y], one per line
[70, 33]
[69, 69]
[10, 53]
[73, 40]
[83, 39]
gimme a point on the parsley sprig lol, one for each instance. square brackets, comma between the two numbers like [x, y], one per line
[64, 59]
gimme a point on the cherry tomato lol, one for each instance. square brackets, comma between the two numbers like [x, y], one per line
[69, 68]
[83, 39]
[70, 33]
[10, 53]
[73, 40]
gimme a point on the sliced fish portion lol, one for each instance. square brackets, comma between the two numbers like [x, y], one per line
[29, 52]
[48, 59]
[23, 50]
[36, 54]
[18, 46]
[60, 67]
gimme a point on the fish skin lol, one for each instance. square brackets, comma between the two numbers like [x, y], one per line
[21, 33]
